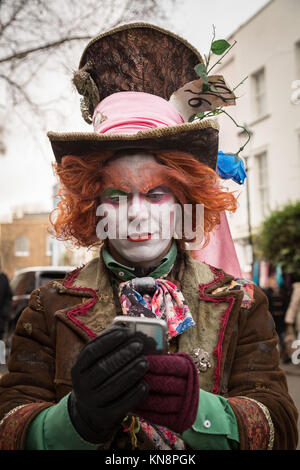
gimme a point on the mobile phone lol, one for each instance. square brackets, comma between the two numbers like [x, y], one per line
[153, 331]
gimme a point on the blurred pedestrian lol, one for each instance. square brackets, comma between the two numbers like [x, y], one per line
[278, 303]
[292, 318]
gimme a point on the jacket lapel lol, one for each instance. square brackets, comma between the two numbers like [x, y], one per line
[97, 304]
[214, 313]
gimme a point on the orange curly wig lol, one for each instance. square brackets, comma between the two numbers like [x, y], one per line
[82, 181]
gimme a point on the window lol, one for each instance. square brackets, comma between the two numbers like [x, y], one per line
[263, 187]
[22, 246]
[259, 93]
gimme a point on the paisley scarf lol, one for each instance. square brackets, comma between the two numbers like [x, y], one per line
[166, 302]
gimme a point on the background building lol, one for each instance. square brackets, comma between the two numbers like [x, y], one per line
[25, 242]
[268, 52]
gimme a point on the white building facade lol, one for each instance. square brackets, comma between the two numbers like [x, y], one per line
[268, 105]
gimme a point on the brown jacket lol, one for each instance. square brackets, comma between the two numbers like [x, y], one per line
[233, 327]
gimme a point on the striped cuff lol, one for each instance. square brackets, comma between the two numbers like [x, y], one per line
[256, 420]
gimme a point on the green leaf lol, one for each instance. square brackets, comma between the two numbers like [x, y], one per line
[200, 70]
[200, 115]
[213, 88]
[216, 111]
[220, 46]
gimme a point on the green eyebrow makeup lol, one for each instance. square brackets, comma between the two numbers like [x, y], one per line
[114, 192]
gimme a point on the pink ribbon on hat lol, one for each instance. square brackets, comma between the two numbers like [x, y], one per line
[128, 112]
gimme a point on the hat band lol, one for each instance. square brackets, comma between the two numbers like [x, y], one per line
[129, 112]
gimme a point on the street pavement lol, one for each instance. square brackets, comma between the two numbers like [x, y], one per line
[292, 372]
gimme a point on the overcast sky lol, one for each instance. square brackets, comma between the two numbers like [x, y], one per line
[25, 172]
[195, 18]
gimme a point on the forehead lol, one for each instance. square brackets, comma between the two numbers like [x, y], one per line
[139, 171]
[132, 160]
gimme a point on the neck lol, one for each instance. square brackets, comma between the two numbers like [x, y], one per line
[141, 264]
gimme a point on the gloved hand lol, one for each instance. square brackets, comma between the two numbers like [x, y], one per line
[173, 392]
[107, 383]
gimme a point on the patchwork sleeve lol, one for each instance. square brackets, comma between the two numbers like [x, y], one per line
[14, 422]
[27, 388]
[254, 417]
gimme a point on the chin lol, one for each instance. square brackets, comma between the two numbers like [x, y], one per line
[142, 251]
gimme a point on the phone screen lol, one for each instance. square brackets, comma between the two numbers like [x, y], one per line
[154, 332]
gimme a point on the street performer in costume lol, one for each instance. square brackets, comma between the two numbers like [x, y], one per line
[75, 380]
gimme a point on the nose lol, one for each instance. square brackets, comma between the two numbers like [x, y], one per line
[137, 208]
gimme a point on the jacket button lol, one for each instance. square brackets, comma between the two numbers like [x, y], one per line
[207, 423]
[121, 273]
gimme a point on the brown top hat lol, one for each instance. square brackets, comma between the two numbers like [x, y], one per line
[144, 59]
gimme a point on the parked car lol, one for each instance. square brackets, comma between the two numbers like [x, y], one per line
[23, 283]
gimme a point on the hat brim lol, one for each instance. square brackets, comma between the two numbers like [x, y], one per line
[199, 138]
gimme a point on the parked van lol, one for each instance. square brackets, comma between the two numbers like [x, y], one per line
[23, 283]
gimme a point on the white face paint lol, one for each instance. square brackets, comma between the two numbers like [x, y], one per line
[144, 221]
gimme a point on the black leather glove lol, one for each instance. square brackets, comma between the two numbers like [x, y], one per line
[107, 383]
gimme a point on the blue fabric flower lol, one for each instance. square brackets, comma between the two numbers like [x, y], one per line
[228, 166]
